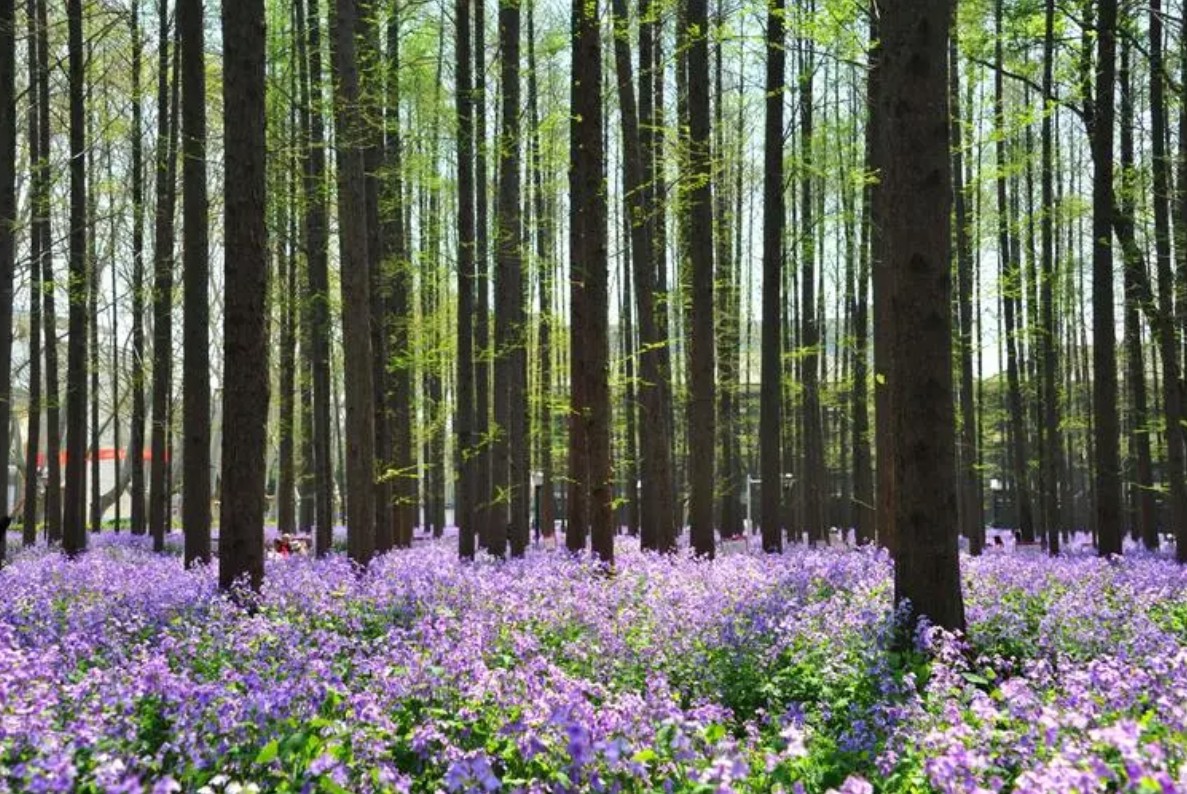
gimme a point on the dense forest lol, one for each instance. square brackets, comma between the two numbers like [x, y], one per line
[398, 265]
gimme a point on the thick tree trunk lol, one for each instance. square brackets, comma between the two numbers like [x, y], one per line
[913, 212]
[245, 345]
[466, 486]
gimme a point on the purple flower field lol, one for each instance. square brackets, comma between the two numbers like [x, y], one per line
[122, 673]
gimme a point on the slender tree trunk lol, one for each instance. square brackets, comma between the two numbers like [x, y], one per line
[136, 442]
[702, 417]
[1142, 485]
[1054, 513]
[7, 243]
[484, 462]
[546, 510]
[245, 394]
[467, 484]
[196, 266]
[1172, 398]
[912, 208]
[398, 256]
[167, 131]
[970, 520]
[36, 160]
[356, 289]
[508, 483]
[658, 519]
[317, 254]
[1104, 347]
[74, 538]
[590, 492]
[774, 217]
[810, 341]
[1011, 290]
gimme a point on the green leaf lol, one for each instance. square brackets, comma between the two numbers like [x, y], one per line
[268, 752]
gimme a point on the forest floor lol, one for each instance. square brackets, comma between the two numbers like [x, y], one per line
[122, 672]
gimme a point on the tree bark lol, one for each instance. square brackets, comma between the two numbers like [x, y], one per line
[196, 266]
[74, 537]
[356, 290]
[913, 212]
[245, 342]
[702, 416]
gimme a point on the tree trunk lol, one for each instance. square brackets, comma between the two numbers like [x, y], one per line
[196, 266]
[356, 290]
[1172, 401]
[1054, 514]
[774, 217]
[701, 413]
[970, 520]
[37, 162]
[1142, 485]
[509, 520]
[912, 210]
[136, 442]
[167, 131]
[1104, 347]
[590, 494]
[398, 257]
[245, 345]
[7, 244]
[74, 538]
[466, 487]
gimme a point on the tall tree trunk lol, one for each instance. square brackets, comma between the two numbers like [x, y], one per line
[544, 230]
[1104, 347]
[658, 521]
[810, 343]
[136, 442]
[867, 521]
[702, 417]
[774, 217]
[36, 160]
[196, 266]
[74, 538]
[590, 494]
[399, 300]
[1172, 398]
[467, 484]
[371, 141]
[1054, 513]
[356, 290]
[484, 460]
[7, 243]
[1142, 484]
[970, 520]
[288, 293]
[509, 481]
[245, 394]
[317, 255]
[167, 131]
[912, 209]
[1011, 291]
[730, 522]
